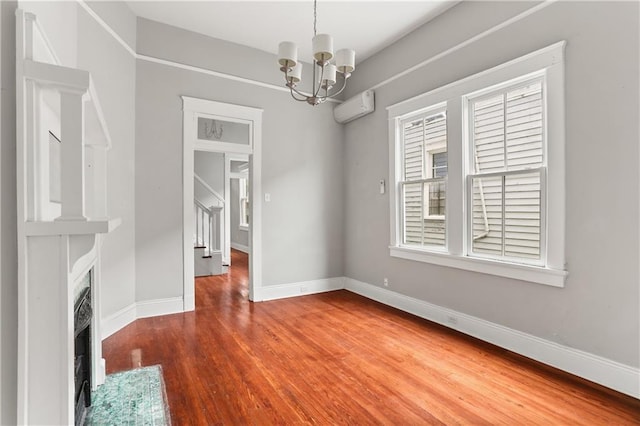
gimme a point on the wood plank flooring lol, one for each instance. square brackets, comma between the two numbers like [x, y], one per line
[338, 358]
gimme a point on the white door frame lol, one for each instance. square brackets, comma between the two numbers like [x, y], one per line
[228, 175]
[192, 109]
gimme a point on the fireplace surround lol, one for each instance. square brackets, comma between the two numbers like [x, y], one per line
[59, 235]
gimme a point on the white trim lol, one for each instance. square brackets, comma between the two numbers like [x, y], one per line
[524, 65]
[465, 43]
[149, 308]
[118, 320]
[215, 193]
[174, 64]
[401, 74]
[281, 291]
[158, 307]
[228, 175]
[107, 27]
[529, 273]
[219, 74]
[240, 247]
[606, 372]
[211, 72]
[191, 108]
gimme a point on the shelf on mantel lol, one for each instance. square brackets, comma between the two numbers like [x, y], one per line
[71, 227]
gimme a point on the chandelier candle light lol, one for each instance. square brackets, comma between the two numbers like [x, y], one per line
[345, 60]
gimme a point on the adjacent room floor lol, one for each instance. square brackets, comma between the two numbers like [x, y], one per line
[339, 358]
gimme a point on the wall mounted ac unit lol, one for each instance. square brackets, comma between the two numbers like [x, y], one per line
[356, 107]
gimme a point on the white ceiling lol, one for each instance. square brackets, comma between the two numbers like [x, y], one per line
[366, 26]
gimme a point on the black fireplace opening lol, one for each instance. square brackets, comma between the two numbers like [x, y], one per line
[82, 361]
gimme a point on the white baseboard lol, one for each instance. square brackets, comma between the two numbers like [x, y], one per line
[154, 308]
[240, 247]
[118, 320]
[129, 314]
[303, 288]
[611, 374]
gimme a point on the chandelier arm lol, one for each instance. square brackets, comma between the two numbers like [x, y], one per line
[316, 91]
[344, 84]
[299, 100]
[293, 89]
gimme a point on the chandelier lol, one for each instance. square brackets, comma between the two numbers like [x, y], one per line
[324, 72]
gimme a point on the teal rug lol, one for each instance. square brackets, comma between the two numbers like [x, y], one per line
[135, 397]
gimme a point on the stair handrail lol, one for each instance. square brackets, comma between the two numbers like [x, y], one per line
[208, 188]
[211, 239]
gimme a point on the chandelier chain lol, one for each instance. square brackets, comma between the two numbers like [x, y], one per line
[315, 16]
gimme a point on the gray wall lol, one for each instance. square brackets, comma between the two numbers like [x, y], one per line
[78, 41]
[238, 236]
[8, 250]
[302, 162]
[113, 71]
[598, 309]
[210, 167]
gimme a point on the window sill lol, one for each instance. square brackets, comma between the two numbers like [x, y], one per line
[533, 274]
[243, 227]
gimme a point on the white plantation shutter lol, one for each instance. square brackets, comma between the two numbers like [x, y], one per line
[507, 134]
[420, 187]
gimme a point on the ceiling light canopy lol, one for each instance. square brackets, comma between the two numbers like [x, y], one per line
[325, 73]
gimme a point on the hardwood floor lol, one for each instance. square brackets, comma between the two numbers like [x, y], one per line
[338, 358]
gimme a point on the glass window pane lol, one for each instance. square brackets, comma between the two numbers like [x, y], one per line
[486, 224]
[522, 216]
[434, 224]
[412, 196]
[223, 131]
[439, 165]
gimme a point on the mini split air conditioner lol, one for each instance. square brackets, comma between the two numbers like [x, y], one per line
[356, 107]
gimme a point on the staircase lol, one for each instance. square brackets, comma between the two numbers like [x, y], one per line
[208, 231]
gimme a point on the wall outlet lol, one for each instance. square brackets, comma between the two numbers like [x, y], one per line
[303, 289]
[452, 320]
[385, 282]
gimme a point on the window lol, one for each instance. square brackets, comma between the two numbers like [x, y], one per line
[478, 172]
[506, 141]
[424, 144]
[243, 191]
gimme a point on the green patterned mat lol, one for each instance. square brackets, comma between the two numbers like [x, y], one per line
[134, 397]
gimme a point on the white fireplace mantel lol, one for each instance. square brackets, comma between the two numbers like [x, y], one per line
[61, 145]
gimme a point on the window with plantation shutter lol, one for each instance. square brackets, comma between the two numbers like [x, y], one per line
[478, 172]
[423, 185]
[506, 134]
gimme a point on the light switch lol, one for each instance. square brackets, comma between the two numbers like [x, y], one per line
[267, 197]
[382, 188]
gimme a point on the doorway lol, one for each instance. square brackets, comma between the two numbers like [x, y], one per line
[234, 131]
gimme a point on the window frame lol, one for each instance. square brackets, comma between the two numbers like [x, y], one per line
[468, 141]
[414, 116]
[549, 62]
[243, 213]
